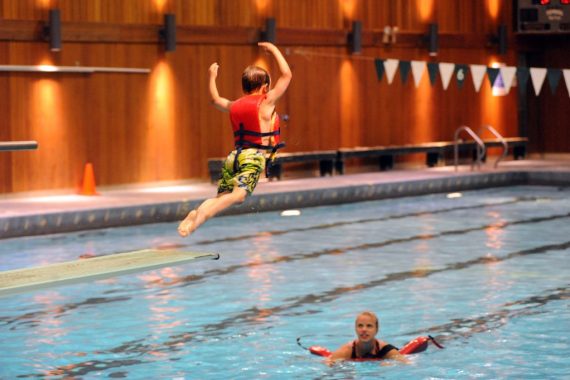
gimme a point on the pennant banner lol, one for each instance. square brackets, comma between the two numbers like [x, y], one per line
[553, 79]
[537, 75]
[566, 73]
[460, 74]
[418, 68]
[379, 68]
[522, 78]
[433, 68]
[405, 67]
[492, 74]
[390, 66]
[501, 79]
[477, 73]
[446, 71]
[508, 75]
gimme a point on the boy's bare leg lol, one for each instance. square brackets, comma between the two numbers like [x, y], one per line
[209, 208]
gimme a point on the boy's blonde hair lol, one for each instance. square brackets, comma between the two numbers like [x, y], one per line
[253, 78]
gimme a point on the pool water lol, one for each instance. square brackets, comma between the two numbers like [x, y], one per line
[487, 273]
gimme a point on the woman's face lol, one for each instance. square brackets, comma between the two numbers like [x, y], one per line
[365, 327]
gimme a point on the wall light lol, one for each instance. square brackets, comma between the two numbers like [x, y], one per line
[355, 38]
[425, 9]
[390, 34]
[432, 39]
[160, 4]
[168, 32]
[270, 32]
[387, 34]
[500, 39]
[52, 31]
[394, 36]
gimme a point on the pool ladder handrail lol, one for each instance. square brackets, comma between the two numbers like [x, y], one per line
[478, 141]
[500, 138]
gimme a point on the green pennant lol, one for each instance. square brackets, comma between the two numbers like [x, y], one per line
[405, 67]
[523, 74]
[553, 76]
[460, 74]
[492, 74]
[379, 68]
[433, 69]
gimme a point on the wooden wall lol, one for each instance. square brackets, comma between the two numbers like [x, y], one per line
[547, 121]
[153, 127]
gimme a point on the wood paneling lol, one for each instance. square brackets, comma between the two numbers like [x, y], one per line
[5, 130]
[145, 128]
[105, 11]
[549, 124]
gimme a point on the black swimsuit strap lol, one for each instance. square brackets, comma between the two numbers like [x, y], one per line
[353, 355]
[387, 348]
[380, 353]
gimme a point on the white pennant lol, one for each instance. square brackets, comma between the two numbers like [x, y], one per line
[508, 75]
[446, 71]
[418, 68]
[537, 74]
[477, 73]
[566, 73]
[391, 65]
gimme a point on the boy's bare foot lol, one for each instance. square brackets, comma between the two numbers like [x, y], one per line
[187, 226]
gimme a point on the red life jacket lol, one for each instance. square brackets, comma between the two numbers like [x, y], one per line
[244, 115]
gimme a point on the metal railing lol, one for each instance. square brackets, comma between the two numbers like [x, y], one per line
[478, 141]
[501, 139]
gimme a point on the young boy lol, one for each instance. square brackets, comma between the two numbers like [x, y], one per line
[256, 133]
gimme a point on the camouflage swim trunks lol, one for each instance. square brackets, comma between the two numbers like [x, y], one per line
[251, 164]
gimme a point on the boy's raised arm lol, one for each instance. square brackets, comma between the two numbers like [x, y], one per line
[219, 102]
[285, 77]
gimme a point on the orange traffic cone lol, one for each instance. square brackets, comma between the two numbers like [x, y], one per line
[88, 184]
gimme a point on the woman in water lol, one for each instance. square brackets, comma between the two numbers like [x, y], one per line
[366, 346]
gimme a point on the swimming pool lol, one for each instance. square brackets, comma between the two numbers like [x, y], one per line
[488, 272]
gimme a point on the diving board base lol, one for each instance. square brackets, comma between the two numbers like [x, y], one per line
[97, 268]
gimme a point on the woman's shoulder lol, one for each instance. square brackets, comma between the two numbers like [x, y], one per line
[382, 344]
[347, 347]
[343, 352]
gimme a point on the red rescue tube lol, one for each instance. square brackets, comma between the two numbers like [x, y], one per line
[414, 346]
[321, 351]
[419, 344]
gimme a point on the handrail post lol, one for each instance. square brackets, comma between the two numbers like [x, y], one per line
[478, 141]
[501, 139]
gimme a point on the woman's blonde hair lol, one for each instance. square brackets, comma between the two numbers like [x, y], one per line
[369, 314]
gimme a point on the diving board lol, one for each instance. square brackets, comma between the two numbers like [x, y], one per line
[97, 268]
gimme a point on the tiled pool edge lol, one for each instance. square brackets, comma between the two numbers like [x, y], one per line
[70, 221]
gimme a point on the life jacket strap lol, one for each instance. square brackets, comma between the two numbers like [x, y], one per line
[242, 143]
[244, 132]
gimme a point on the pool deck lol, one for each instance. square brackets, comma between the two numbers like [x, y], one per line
[41, 213]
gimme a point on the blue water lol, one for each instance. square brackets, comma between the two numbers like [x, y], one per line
[488, 273]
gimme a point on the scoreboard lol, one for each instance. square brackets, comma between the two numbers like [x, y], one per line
[543, 16]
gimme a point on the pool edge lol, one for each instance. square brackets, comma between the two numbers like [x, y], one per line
[115, 216]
